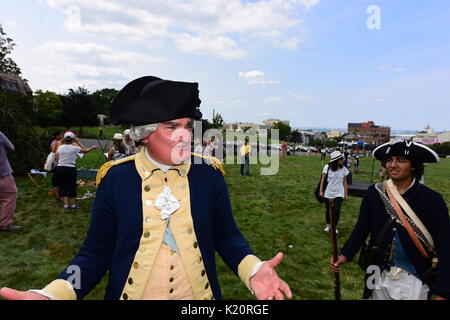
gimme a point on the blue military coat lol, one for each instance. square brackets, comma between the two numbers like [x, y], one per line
[116, 228]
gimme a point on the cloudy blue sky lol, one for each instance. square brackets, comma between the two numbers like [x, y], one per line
[315, 63]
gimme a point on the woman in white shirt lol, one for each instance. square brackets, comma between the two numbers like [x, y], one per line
[336, 189]
[66, 171]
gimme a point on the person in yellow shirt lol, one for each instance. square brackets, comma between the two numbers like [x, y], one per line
[245, 158]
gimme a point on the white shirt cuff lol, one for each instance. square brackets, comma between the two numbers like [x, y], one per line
[44, 293]
[256, 268]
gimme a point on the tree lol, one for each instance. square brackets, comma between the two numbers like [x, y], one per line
[103, 99]
[78, 109]
[442, 149]
[296, 136]
[217, 121]
[284, 130]
[7, 65]
[29, 143]
[48, 108]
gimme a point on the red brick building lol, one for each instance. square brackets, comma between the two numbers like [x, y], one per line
[370, 133]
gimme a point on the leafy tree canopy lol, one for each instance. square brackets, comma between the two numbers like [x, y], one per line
[103, 99]
[48, 108]
[284, 130]
[7, 65]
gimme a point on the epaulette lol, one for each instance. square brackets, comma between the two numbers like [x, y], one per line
[108, 165]
[212, 161]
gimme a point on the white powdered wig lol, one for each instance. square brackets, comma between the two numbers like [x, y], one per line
[141, 132]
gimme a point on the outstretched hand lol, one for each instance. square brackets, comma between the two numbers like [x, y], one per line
[266, 284]
[11, 294]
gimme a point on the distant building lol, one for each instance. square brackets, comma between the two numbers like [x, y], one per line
[426, 136]
[12, 82]
[334, 134]
[350, 139]
[271, 122]
[369, 132]
[444, 137]
[244, 126]
[402, 136]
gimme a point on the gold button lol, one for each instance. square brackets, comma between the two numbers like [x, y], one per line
[203, 273]
[189, 231]
[148, 203]
[183, 172]
[146, 234]
[125, 296]
[171, 280]
[207, 286]
[148, 219]
[195, 245]
[147, 188]
[200, 259]
[130, 280]
[171, 290]
[146, 174]
[172, 252]
[172, 267]
[136, 265]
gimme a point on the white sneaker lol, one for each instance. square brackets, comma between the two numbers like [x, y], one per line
[327, 229]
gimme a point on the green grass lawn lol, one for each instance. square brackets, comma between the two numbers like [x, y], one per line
[275, 213]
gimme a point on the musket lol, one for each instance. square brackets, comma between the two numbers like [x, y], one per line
[337, 283]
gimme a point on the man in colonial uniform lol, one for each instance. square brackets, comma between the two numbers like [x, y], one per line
[409, 227]
[159, 216]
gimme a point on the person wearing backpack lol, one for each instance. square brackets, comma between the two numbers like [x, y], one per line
[408, 252]
[336, 189]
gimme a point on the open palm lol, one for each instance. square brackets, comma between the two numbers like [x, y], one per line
[266, 284]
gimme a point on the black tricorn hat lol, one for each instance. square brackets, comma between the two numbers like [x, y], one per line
[150, 100]
[411, 150]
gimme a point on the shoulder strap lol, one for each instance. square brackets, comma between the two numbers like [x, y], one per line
[406, 224]
[411, 213]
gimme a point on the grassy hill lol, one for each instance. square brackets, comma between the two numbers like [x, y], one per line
[275, 213]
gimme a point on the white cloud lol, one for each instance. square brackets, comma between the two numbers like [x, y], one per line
[251, 74]
[289, 43]
[303, 97]
[399, 69]
[379, 100]
[93, 52]
[226, 21]
[9, 24]
[89, 64]
[272, 100]
[255, 77]
[220, 46]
